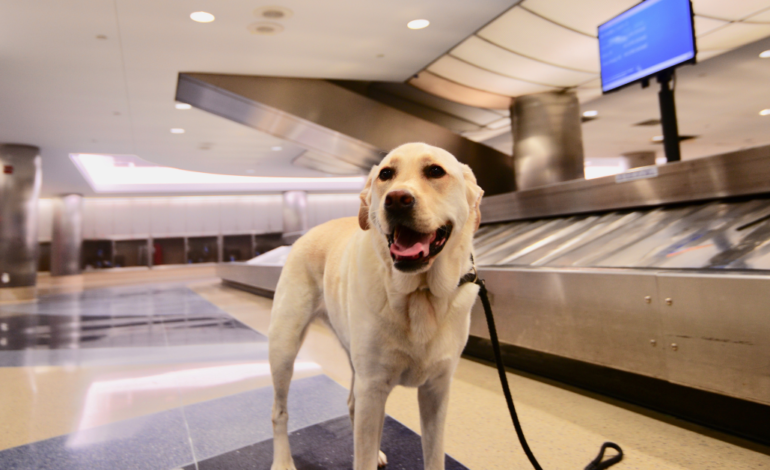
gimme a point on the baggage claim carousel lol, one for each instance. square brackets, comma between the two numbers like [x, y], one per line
[652, 287]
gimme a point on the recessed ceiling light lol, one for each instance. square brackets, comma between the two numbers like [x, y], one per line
[182, 106]
[765, 112]
[591, 113]
[202, 17]
[418, 24]
[765, 54]
[276, 148]
[177, 130]
[657, 138]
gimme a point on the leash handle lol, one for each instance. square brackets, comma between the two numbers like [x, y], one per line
[595, 464]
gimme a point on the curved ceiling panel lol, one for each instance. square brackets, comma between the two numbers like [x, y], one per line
[530, 35]
[444, 88]
[470, 75]
[707, 25]
[733, 35]
[704, 55]
[763, 17]
[732, 10]
[491, 57]
[584, 16]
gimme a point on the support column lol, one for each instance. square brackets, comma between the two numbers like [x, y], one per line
[294, 215]
[20, 180]
[67, 237]
[547, 139]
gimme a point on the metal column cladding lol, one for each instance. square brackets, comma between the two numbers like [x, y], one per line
[294, 215]
[19, 190]
[67, 235]
[547, 139]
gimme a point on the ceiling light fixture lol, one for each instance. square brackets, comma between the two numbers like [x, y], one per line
[276, 148]
[765, 54]
[418, 24]
[202, 17]
[115, 174]
[591, 113]
[657, 138]
[182, 106]
[765, 112]
[177, 130]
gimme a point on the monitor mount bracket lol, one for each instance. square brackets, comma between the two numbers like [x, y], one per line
[668, 116]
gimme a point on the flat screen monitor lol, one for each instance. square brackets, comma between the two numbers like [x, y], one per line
[652, 36]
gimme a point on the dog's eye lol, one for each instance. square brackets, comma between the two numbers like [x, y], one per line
[434, 171]
[386, 174]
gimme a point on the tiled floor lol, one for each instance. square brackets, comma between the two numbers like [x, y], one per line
[167, 376]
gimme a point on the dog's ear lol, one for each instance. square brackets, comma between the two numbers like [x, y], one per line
[366, 200]
[474, 193]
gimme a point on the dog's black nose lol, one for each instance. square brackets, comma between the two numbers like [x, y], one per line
[399, 202]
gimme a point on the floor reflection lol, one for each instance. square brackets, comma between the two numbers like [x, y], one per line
[119, 317]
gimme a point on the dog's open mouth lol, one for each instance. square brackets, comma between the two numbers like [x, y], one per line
[411, 250]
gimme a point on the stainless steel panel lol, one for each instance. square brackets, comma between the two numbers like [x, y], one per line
[335, 122]
[740, 173]
[720, 326]
[295, 221]
[547, 139]
[67, 235]
[596, 316]
[264, 278]
[639, 159]
[20, 180]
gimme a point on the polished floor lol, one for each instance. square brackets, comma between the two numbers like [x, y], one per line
[175, 375]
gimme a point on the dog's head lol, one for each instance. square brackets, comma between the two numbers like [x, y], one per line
[418, 198]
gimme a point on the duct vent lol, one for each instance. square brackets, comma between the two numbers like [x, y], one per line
[265, 28]
[649, 122]
[273, 13]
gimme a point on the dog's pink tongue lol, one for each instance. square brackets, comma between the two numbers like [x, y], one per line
[410, 243]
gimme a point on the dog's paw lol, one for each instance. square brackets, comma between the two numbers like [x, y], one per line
[382, 460]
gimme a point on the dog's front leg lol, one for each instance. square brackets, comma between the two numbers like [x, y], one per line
[370, 398]
[434, 400]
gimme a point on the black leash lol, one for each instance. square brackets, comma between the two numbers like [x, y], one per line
[597, 463]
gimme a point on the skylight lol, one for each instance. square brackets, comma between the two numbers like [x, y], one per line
[131, 174]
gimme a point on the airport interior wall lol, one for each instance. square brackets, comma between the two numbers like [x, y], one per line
[148, 231]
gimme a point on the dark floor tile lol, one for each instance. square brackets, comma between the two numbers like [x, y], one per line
[154, 442]
[328, 445]
[228, 423]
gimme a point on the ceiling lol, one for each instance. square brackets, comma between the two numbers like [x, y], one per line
[99, 76]
[549, 45]
[717, 100]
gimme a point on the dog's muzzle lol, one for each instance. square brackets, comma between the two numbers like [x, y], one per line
[412, 250]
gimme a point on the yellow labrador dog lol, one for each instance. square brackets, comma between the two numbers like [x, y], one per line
[387, 284]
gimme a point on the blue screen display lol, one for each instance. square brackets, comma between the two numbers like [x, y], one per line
[648, 38]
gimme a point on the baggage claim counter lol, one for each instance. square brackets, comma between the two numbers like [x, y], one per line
[652, 286]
